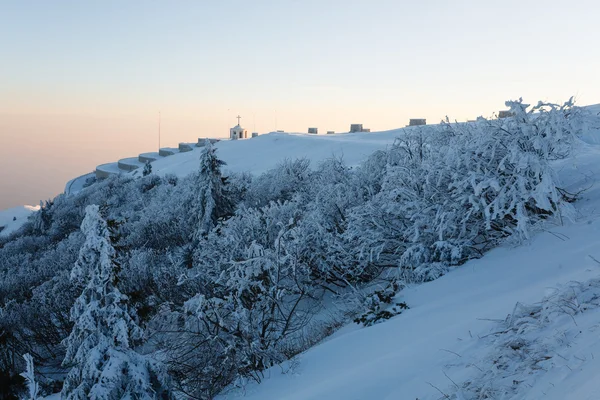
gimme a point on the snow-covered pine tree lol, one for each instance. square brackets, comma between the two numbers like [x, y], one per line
[211, 200]
[103, 364]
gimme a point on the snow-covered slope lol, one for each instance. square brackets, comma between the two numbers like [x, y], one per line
[454, 338]
[12, 218]
[264, 152]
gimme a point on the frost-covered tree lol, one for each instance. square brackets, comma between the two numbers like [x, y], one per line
[210, 200]
[99, 348]
[43, 218]
[29, 375]
[289, 179]
[147, 169]
[251, 298]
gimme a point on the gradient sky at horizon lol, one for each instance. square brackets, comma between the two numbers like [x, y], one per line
[82, 82]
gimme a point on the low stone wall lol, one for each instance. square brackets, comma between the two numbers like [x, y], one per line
[144, 158]
[184, 147]
[202, 141]
[127, 167]
[102, 174]
[166, 152]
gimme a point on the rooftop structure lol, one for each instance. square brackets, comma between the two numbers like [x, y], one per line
[358, 128]
[417, 121]
[237, 132]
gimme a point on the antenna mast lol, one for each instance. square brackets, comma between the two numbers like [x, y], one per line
[159, 131]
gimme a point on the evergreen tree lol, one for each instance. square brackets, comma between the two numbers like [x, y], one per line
[147, 169]
[211, 198]
[103, 365]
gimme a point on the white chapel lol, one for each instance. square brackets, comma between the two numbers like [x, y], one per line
[237, 132]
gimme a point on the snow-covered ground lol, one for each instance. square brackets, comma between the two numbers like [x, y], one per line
[12, 218]
[264, 152]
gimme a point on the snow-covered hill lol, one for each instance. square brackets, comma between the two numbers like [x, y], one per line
[264, 152]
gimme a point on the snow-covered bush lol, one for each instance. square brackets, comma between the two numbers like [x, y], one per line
[452, 193]
[378, 305]
[529, 342]
[250, 296]
[282, 183]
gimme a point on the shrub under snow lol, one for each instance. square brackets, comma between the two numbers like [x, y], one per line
[450, 194]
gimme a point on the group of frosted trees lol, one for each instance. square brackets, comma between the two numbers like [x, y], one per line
[100, 348]
[209, 280]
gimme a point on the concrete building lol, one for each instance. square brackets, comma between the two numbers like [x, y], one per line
[167, 151]
[185, 147]
[313, 130]
[358, 128]
[237, 132]
[330, 132]
[417, 121]
[254, 134]
[202, 141]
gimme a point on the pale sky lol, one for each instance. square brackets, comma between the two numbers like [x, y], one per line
[82, 82]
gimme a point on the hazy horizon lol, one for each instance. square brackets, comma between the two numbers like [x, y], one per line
[82, 83]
